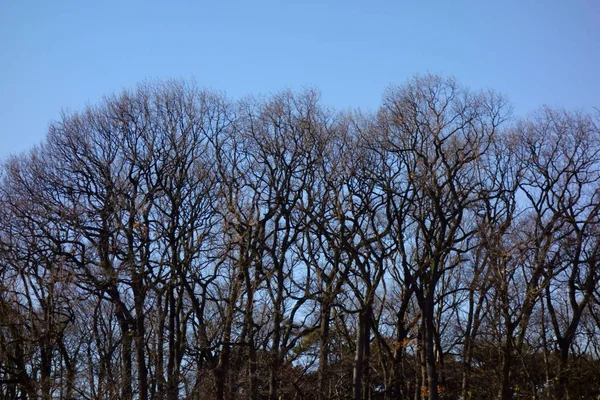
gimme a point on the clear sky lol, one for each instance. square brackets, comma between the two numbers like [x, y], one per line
[64, 54]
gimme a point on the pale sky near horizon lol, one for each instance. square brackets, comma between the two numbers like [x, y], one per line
[65, 54]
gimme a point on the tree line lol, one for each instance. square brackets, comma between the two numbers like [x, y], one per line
[172, 243]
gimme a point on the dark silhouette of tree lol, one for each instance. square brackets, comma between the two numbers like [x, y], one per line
[172, 243]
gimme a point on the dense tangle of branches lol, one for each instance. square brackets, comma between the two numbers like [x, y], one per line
[170, 243]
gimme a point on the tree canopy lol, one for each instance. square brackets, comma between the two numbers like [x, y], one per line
[172, 243]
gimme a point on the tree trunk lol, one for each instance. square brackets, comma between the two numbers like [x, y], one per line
[562, 391]
[248, 332]
[172, 367]
[160, 347]
[142, 369]
[220, 372]
[467, 350]
[69, 365]
[45, 367]
[421, 389]
[127, 389]
[275, 351]
[397, 378]
[429, 339]
[359, 356]
[324, 349]
[505, 379]
[367, 350]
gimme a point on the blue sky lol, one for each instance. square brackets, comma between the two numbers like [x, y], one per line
[59, 54]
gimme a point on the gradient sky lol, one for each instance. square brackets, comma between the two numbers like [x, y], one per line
[61, 55]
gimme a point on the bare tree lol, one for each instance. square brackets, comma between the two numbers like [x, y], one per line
[442, 131]
[564, 173]
[170, 243]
